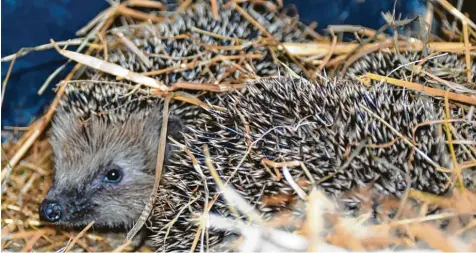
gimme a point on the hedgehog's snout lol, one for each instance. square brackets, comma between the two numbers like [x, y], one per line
[50, 211]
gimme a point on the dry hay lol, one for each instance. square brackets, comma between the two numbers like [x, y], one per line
[319, 224]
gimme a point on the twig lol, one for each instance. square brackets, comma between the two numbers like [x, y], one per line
[9, 72]
[359, 29]
[169, 225]
[35, 167]
[456, 12]
[202, 227]
[457, 169]
[422, 88]
[217, 178]
[195, 64]
[147, 4]
[26, 234]
[111, 68]
[51, 77]
[215, 9]
[470, 225]
[122, 247]
[242, 204]
[454, 86]
[266, 161]
[100, 17]
[322, 48]
[252, 20]
[331, 52]
[70, 246]
[428, 16]
[413, 62]
[104, 43]
[26, 50]
[218, 36]
[429, 198]
[293, 184]
[138, 14]
[466, 149]
[158, 172]
[206, 86]
[467, 52]
[23, 149]
[436, 122]
[31, 242]
[418, 220]
[459, 5]
[315, 220]
[434, 237]
[28, 184]
[188, 99]
[184, 5]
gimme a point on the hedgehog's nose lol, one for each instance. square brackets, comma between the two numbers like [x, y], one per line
[50, 211]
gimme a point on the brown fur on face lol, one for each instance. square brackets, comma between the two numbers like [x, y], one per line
[84, 153]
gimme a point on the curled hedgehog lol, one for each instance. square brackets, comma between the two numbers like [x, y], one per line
[191, 46]
[320, 125]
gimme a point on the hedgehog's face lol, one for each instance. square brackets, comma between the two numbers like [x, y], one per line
[113, 196]
[103, 172]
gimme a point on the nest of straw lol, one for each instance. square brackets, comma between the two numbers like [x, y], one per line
[321, 225]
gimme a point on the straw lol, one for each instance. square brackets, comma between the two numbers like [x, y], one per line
[312, 221]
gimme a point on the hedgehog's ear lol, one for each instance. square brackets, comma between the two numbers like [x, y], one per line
[175, 127]
[174, 130]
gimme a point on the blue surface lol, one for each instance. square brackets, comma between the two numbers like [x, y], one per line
[27, 23]
[31, 23]
[357, 12]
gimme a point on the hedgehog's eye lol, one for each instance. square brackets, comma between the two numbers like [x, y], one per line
[113, 176]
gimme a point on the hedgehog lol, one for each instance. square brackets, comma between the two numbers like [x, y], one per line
[194, 46]
[448, 66]
[171, 43]
[108, 132]
[331, 128]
